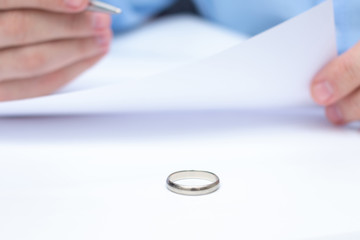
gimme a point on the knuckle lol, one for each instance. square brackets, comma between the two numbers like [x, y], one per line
[14, 25]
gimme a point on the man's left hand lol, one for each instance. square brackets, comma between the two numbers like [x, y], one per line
[337, 87]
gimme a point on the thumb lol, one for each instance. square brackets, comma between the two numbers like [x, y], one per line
[337, 79]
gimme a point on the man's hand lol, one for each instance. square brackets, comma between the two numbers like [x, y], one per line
[337, 87]
[44, 44]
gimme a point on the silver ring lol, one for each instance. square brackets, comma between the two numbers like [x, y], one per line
[193, 190]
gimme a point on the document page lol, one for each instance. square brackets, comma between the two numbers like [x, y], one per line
[271, 70]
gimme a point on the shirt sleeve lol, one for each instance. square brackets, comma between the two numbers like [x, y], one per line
[136, 12]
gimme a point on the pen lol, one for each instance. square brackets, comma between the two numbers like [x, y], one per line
[98, 6]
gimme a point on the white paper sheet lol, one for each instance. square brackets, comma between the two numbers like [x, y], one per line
[273, 69]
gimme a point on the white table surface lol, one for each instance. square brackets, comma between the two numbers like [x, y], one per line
[284, 176]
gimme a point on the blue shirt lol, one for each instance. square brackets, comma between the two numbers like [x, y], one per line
[246, 16]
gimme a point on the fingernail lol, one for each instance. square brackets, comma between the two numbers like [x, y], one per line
[323, 91]
[334, 114]
[103, 40]
[74, 3]
[100, 21]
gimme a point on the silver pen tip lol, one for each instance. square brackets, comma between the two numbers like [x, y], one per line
[103, 7]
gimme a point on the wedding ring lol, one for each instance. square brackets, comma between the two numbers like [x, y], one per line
[193, 190]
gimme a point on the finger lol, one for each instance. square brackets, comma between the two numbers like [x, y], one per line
[44, 85]
[51, 5]
[338, 79]
[44, 58]
[20, 27]
[346, 110]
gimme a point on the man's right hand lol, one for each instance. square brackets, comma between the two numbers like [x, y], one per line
[44, 44]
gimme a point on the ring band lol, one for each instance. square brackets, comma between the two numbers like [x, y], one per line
[193, 190]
